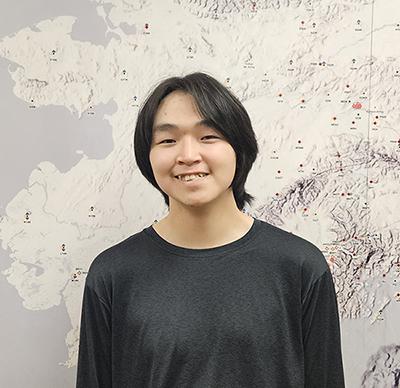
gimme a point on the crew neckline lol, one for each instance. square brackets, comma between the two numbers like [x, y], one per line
[203, 252]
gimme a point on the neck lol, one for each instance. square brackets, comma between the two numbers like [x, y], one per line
[204, 227]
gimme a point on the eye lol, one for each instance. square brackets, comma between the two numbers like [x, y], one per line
[165, 140]
[216, 137]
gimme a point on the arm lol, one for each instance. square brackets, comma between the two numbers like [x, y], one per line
[321, 336]
[94, 358]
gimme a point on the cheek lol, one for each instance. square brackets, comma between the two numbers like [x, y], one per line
[232, 164]
[228, 158]
[159, 162]
[224, 163]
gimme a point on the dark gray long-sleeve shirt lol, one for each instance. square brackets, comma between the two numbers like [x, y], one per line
[258, 312]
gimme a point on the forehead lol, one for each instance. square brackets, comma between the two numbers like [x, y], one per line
[165, 126]
[177, 103]
[177, 109]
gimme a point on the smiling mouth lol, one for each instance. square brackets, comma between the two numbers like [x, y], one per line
[192, 180]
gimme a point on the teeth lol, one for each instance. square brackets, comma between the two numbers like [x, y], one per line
[190, 177]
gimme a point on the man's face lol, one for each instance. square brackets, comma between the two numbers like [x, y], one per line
[185, 146]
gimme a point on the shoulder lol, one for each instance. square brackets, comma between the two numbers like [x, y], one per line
[296, 250]
[114, 259]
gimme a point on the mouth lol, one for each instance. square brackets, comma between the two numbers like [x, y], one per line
[194, 180]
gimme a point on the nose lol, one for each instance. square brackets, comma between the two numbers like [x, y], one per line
[188, 150]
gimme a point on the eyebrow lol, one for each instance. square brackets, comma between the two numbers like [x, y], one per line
[167, 126]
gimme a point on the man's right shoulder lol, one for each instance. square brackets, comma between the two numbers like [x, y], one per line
[114, 257]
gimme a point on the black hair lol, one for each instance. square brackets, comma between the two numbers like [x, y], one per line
[219, 106]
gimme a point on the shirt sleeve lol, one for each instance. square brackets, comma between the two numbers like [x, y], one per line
[94, 356]
[321, 336]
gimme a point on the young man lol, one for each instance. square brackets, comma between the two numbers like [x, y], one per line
[208, 297]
